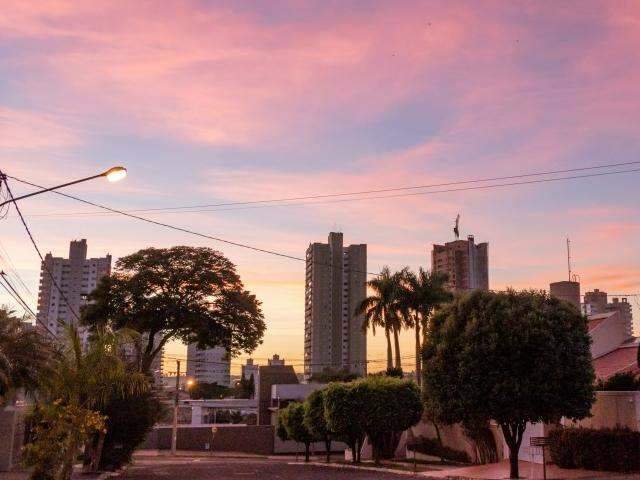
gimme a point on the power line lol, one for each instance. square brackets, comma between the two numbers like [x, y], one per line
[37, 249]
[21, 301]
[182, 229]
[213, 206]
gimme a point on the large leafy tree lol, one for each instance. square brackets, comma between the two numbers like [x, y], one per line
[187, 293]
[513, 357]
[420, 294]
[380, 309]
[24, 355]
[345, 411]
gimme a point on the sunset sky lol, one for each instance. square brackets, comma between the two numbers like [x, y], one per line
[212, 102]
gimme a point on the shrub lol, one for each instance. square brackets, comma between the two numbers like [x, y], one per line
[612, 450]
[291, 426]
[431, 446]
[620, 382]
[128, 422]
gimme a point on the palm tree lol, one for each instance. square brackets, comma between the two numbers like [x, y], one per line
[88, 378]
[24, 355]
[380, 310]
[419, 295]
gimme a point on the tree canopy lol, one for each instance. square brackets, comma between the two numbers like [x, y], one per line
[513, 357]
[188, 293]
[291, 422]
[315, 420]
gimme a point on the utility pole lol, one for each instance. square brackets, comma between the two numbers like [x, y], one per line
[174, 430]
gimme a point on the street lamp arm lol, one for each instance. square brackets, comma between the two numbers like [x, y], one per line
[116, 172]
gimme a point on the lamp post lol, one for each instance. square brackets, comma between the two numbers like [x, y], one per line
[113, 174]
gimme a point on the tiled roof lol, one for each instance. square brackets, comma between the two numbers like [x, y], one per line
[597, 319]
[622, 359]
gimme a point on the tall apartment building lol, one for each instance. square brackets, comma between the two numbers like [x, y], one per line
[76, 276]
[466, 263]
[208, 365]
[335, 284]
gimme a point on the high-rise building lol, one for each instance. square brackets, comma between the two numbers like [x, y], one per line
[76, 276]
[335, 285]
[466, 263]
[566, 290]
[208, 365]
[597, 301]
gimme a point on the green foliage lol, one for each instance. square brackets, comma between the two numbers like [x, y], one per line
[608, 450]
[208, 391]
[24, 355]
[514, 357]
[57, 433]
[431, 446]
[344, 407]
[329, 375]
[378, 406]
[394, 372]
[245, 388]
[191, 294]
[84, 382]
[314, 418]
[620, 382]
[129, 420]
[381, 309]
[291, 420]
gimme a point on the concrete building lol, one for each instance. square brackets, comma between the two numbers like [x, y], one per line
[466, 263]
[335, 285]
[209, 365]
[597, 302]
[276, 372]
[76, 276]
[567, 291]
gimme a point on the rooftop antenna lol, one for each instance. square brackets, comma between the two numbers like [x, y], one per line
[569, 257]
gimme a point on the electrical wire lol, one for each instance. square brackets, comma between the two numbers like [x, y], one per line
[212, 207]
[37, 249]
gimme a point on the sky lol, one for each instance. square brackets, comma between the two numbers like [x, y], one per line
[209, 102]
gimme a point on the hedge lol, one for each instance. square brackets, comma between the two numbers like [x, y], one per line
[611, 450]
[431, 446]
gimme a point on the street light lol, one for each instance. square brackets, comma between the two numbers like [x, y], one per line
[113, 174]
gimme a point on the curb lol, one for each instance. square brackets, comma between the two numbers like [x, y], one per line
[359, 467]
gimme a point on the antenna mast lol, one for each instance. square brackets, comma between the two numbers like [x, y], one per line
[569, 257]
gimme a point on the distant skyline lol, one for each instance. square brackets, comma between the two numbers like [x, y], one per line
[212, 102]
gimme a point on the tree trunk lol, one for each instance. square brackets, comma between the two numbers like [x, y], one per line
[396, 341]
[418, 352]
[306, 452]
[513, 437]
[97, 453]
[389, 352]
[327, 447]
[435, 425]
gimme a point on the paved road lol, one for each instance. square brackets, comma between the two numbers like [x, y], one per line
[238, 468]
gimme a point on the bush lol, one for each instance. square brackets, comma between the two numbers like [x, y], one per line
[611, 450]
[620, 382]
[128, 422]
[431, 446]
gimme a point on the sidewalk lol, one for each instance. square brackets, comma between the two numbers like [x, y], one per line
[498, 471]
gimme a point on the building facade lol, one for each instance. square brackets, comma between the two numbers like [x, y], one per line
[208, 365]
[335, 285]
[465, 262]
[76, 276]
[597, 301]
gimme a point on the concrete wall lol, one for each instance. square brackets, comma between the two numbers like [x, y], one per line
[613, 409]
[256, 439]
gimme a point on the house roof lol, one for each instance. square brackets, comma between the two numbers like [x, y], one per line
[622, 359]
[597, 319]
